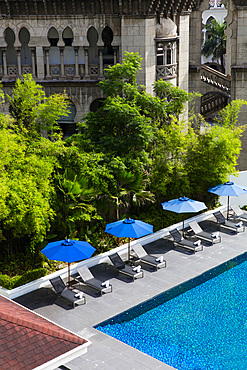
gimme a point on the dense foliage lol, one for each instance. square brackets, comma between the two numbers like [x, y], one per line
[130, 155]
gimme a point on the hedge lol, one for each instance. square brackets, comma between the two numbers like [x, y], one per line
[15, 281]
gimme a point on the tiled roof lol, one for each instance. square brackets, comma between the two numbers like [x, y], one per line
[28, 340]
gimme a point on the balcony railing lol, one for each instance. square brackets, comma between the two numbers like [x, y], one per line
[69, 71]
[166, 72]
[215, 78]
[213, 102]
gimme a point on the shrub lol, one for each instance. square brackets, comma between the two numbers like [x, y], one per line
[13, 282]
[7, 281]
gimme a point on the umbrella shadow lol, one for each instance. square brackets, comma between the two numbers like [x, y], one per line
[42, 297]
[105, 271]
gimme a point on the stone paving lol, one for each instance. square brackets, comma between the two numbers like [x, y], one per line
[107, 353]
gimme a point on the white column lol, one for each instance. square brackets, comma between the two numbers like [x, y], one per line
[5, 67]
[115, 54]
[18, 51]
[39, 51]
[100, 62]
[86, 75]
[77, 76]
[48, 75]
[33, 62]
[61, 49]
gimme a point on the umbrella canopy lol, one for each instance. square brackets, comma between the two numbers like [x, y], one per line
[183, 205]
[68, 251]
[129, 228]
[228, 189]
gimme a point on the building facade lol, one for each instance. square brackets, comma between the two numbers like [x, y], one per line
[232, 84]
[66, 45]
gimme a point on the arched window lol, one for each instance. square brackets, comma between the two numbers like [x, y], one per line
[169, 54]
[68, 37]
[53, 36]
[209, 21]
[96, 104]
[108, 53]
[92, 36]
[54, 54]
[11, 54]
[166, 53]
[69, 54]
[26, 55]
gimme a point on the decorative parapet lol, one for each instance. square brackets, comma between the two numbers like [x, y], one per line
[213, 102]
[166, 72]
[215, 78]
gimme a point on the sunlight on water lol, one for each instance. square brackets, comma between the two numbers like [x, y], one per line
[202, 329]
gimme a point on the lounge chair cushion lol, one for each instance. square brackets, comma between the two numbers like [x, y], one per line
[87, 277]
[238, 211]
[117, 261]
[228, 224]
[204, 234]
[147, 258]
[66, 293]
[184, 242]
[119, 264]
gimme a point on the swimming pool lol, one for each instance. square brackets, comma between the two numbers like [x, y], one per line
[199, 325]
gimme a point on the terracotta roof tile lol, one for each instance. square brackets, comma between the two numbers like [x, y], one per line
[28, 340]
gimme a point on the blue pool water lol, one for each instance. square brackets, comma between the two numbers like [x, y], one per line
[200, 325]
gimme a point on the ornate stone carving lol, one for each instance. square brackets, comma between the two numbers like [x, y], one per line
[166, 29]
[166, 72]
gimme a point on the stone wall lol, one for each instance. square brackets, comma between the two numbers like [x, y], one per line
[137, 35]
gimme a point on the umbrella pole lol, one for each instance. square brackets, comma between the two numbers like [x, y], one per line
[68, 273]
[129, 249]
[183, 226]
[228, 207]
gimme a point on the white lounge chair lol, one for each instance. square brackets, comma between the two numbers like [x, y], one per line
[196, 228]
[239, 213]
[147, 258]
[86, 277]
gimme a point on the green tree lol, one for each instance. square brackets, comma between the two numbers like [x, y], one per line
[137, 133]
[129, 190]
[216, 43]
[215, 152]
[35, 114]
[74, 203]
[28, 162]
[26, 191]
[130, 118]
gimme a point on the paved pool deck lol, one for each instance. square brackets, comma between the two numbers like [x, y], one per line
[107, 353]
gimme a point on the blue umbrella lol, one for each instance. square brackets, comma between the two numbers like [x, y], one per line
[68, 251]
[228, 189]
[183, 205]
[129, 228]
